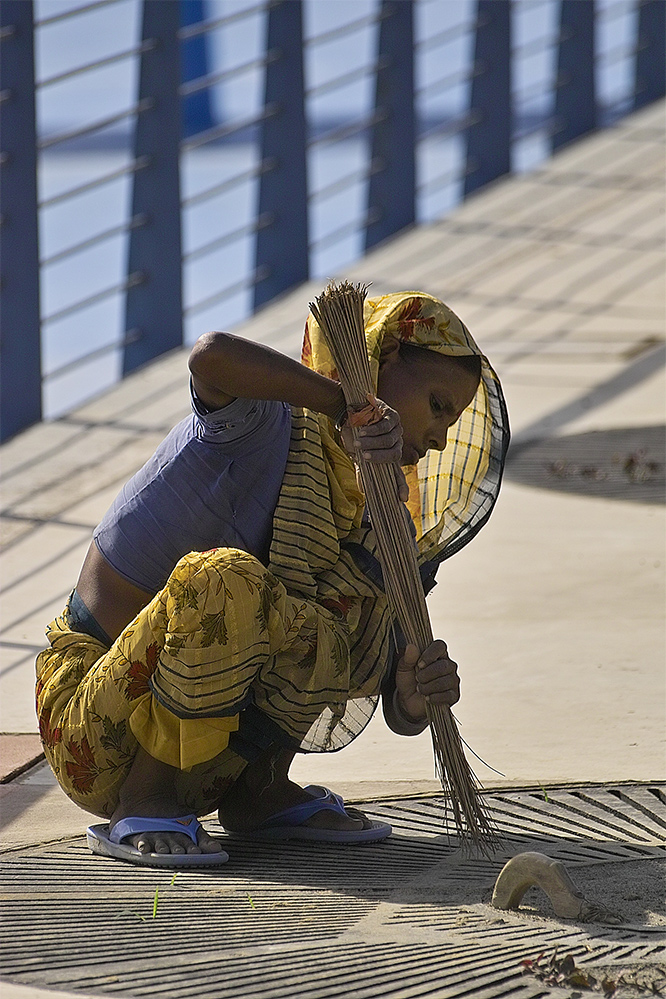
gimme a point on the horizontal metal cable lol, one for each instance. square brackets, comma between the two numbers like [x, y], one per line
[117, 230]
[556, 124]
[523, 5]
[260, 274]
[550, 124]
[447, 35]
[98, 125]
[203, 27]
[134, 279]
[616, 54]
[203, 82]
[605, 113]
[522, 97]
[229, 185]
[345, 29]
[223, 131]
[146, 46]
[468, 120]
[372, 215]
[139, 164]
[347, 78]
[7, 31]
[376, 166]
[621, 101]
[130, 337]
[441, 180]
[618, 9]
[345, 131]
[85, 8]
[461, 76]
[261, 222]
[537, 45]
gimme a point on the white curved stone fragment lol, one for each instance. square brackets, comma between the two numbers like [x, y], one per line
[528, 869]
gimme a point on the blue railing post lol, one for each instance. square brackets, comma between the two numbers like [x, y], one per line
[154, 304]
[575, 93]
[20, 355]
[281, 254]
[392, 189]
[197, 112]
[651, 53]
[489, 135]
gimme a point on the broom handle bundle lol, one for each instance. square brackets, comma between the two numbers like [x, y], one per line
[339, 313]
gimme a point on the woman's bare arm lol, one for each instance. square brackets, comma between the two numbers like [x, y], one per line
[225, 367]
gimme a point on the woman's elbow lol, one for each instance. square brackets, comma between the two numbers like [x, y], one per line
[205, 351]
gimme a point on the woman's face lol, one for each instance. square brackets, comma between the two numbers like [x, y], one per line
[429, 391]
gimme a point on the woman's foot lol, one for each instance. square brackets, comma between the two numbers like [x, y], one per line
[264, 788]
[148, 793]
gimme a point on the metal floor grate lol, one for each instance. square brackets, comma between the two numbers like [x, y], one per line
[406, 918]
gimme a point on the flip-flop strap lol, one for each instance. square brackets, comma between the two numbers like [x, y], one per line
[133, 825]
[298, 814]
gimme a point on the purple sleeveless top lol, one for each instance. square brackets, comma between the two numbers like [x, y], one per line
[213, 482]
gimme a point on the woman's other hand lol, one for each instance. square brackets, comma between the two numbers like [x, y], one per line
[432, 674]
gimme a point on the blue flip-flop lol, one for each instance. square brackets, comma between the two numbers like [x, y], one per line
[109, 843]
[288, 824]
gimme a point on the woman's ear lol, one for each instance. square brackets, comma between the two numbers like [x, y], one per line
[390, 351]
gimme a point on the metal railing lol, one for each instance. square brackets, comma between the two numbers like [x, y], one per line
[282, 188]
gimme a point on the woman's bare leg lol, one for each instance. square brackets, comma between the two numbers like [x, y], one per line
[148, 791]
[264, 788]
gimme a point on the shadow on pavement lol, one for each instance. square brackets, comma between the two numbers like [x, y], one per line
[626, 464]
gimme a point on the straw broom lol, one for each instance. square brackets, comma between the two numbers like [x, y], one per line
[339, 313]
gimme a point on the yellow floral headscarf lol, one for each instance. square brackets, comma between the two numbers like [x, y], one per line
[452, 492]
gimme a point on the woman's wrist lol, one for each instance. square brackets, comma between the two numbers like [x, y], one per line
[326, 396]
[338, 410]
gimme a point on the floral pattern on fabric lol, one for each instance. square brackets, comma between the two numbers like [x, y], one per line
[82, 769]
[410, 318]
[137, 679]
[50, 735]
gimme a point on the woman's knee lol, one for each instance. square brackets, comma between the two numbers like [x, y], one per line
[205, 583]
[217, 560]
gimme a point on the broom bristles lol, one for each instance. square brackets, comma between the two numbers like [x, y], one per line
[339, 313]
